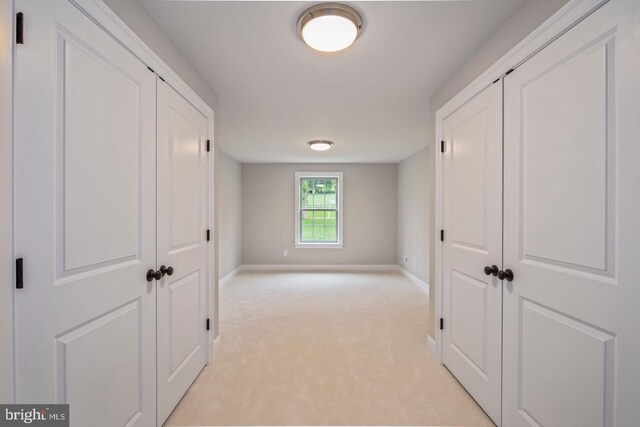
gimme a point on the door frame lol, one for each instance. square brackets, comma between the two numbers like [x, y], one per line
[108, 21]
[559, 23]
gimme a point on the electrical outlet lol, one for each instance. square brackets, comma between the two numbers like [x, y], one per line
[415, 261]
[405, 259]
[285, 253]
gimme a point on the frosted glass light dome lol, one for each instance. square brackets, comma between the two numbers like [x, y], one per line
[320, 145]
[329, 27]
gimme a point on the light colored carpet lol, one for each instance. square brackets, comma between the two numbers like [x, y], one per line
[324, 349]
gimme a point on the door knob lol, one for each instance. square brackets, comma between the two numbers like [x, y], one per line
[505, 275]
[493, 270]
[166, 270]
[151, 274]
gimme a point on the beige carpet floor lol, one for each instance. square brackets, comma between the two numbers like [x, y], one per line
[324, 349]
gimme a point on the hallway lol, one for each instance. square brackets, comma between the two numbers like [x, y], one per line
[324, 349]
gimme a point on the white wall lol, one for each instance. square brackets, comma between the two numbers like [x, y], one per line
[370, 215]
[413, 214]
[229, 198]
[527, 18]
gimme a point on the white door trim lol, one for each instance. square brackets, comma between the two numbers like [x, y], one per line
[560, 22]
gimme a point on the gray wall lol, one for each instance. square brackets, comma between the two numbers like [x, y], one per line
[413, 214]
[370, 215]
[228, 190]
[526, 19]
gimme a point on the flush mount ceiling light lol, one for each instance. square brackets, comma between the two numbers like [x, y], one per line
[320, 145]
[329, 27]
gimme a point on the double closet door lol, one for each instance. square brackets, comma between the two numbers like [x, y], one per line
[541, 208]
[110, 183]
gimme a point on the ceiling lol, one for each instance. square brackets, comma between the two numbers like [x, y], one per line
[372, 99]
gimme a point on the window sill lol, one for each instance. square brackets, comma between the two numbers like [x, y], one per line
[319, 245]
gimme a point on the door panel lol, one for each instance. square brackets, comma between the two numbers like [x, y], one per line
[469, 319]
[182, 224]
[186, 325]
[552, 134]
[571, 342]
[85, 220]
[83, 349]
[576, 384]
[97, 201]
[472, 212]
[186, 186]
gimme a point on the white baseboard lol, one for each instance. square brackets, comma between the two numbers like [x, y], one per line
[431, 345]
[414, 279]
[335, 267]
[231, 275]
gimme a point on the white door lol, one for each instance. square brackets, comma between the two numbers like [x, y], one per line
[84, 221]
[472, 221]
[182, 246]
[572, 227]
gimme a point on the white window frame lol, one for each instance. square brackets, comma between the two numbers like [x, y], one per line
[339, 210]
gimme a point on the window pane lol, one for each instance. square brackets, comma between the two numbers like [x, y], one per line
[318, 226]
[318, 193]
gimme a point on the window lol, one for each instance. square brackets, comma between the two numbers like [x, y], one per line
[318, 210]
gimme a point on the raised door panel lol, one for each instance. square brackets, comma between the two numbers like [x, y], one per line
[85, 220]
[186, 316]
[555, 130]
[469, 199]
[468, 313]
[98, 163]
[578, 372]
[186, 186]
[86, 357]
[571, 341]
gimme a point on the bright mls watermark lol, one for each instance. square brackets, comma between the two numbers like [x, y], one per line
[34, 415]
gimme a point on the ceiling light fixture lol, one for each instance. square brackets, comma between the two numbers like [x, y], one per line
[320, 145]
[329, 27]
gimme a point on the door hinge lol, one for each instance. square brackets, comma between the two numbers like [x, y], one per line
[208, 145]
[509, 72]
[442, 235]
[208, 235]
[442, 145]
[19, 28]
[441, 323]
[19, 274]
[208, 324]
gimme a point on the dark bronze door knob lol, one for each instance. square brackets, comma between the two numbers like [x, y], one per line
[166, 270]
[493, 270]
[505, 275]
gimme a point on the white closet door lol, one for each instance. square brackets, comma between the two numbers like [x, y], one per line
[472, 221]
[572, 227]
[182, 246]
[85, 220]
